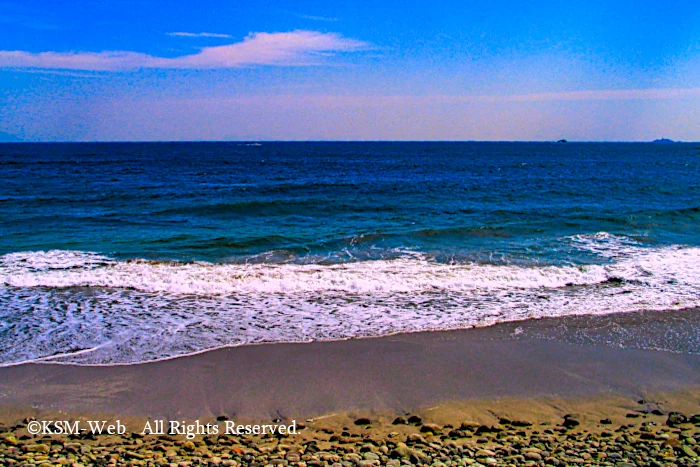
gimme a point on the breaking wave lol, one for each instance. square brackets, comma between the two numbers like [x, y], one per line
[87, 308]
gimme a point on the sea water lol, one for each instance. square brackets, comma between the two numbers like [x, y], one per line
[125, 253]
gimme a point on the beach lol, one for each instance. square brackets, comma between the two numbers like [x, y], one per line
[526, 372]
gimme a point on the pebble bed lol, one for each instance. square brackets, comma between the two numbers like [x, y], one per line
[655, 439]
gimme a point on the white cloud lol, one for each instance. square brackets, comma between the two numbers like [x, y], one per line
[260, 48]
[198, 34]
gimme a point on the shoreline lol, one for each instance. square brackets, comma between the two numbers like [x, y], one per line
[559, 357]
[509, 325]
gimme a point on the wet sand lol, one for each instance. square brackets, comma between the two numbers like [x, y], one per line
[391, 375]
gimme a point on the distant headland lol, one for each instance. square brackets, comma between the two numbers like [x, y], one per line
[664, 141]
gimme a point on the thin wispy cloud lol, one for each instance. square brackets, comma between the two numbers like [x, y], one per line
[199, 34]
[308, 17]
[317, 18]
[597, 95]
[296, 48]
[73, 74]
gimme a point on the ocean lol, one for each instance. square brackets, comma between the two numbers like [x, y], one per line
[120, 253]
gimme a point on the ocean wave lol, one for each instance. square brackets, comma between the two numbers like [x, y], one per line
[88, 308]
[61, 269]
[413, 272]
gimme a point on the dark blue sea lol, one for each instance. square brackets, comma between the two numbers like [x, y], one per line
[124, 253]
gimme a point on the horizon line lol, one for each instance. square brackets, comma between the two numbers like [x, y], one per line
[560, 141]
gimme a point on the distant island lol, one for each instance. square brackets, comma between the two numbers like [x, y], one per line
[663, 141]
[562, 141]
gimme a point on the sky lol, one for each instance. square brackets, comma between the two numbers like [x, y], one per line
[155, 70]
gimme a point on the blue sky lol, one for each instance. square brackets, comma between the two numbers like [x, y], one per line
[409, 70]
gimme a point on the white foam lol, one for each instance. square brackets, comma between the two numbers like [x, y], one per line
[60, 303]
[607, 245]
[404, 275]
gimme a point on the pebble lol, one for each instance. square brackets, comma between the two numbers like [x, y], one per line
[675, 419]
[431, 428]
[570, 421]
[415, 438]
